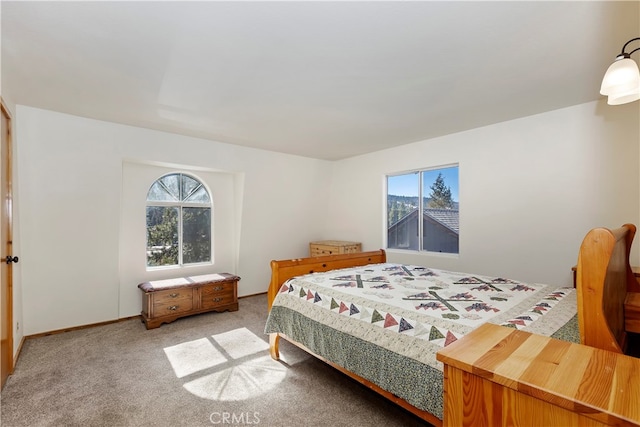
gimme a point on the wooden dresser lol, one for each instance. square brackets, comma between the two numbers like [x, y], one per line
[634, 270]
[164, 301]
[499, 376]
[333, 247]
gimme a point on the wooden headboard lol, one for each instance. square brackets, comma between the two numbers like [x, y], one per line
[604, 277]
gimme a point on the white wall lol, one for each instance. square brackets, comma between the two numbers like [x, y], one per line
[530, 189]
[71, 213]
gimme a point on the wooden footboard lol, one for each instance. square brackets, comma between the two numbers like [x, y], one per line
[281, 271]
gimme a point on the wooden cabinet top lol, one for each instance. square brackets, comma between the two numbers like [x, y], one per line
[187, 281]
[596, 383]
[333, 243]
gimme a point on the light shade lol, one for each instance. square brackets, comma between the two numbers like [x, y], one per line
[623, 98]
[621, 82]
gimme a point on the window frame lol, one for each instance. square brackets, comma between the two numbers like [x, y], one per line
[420, 222]
[180, 205]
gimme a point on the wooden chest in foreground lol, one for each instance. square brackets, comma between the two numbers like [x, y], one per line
[164, 301]
[499, 376]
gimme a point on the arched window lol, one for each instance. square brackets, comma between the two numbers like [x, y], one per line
[178, 222]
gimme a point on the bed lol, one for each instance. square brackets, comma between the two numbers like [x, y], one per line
[342, 310]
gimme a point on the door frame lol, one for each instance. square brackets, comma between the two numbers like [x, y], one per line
[7, 211]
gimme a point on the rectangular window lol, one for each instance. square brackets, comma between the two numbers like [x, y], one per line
[162, 235]
[423, 210]
[196, 235]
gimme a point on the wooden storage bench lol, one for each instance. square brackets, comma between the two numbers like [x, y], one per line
[333, 247]
[164, 301]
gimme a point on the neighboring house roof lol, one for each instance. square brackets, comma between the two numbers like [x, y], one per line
[404, 219]
[447, 217]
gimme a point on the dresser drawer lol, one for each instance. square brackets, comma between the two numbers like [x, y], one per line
[212, 296]
[172, 301]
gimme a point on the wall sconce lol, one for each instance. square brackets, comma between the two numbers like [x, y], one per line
[621, 82]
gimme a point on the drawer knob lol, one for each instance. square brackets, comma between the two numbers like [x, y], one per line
[217, 299]
[218, 288]
[172, 308]
[173, 295]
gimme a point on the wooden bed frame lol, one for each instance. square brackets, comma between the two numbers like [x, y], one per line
[604, 277]
[281, 271]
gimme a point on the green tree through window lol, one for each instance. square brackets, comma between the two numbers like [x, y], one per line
[178, 221]
[440, 197]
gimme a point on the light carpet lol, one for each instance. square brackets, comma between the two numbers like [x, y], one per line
[204, 370]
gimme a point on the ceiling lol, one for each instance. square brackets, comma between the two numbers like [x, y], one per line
[326, 80]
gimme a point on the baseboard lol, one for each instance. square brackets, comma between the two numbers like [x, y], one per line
[17, 354]
[252, 295]
[93, 325]
[75, 328]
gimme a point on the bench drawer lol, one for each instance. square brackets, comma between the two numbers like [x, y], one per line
[217, 295]
[172, 301]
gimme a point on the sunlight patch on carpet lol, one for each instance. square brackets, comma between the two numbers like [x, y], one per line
[193, 356]
[229, 366]
[240, 342]
[241, 382]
